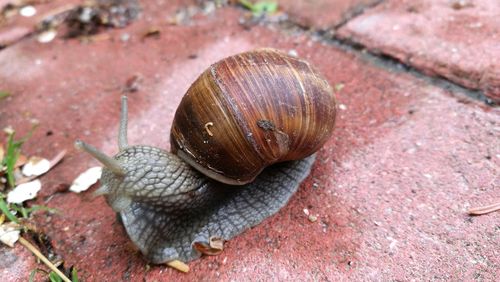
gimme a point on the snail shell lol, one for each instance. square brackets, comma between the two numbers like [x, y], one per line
[251, 110]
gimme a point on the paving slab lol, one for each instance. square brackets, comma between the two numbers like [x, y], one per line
[390, 189]
[323, 14]
[456, 39]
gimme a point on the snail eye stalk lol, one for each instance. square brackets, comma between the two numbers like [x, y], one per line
[107, 161]
[122, 133]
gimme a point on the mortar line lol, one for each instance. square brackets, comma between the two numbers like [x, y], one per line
[356, 12]
[386, 61]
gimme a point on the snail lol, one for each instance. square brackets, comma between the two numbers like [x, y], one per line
[242, 140]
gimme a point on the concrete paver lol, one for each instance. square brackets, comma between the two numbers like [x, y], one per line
[457, 40]
[390, 188]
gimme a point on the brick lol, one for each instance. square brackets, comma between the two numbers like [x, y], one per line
[14, 27]
[457, 40]
[390, 188]
[323, 14]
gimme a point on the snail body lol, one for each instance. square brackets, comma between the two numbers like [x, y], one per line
[243, 139]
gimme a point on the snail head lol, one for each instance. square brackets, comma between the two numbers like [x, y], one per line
[144, 174]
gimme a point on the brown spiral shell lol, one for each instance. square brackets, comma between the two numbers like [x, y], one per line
[251, 110]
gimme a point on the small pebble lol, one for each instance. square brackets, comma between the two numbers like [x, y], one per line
[313, 218]
[27, 11]
[125, 37]
[293, 53]
[46, 36]
[306, 211]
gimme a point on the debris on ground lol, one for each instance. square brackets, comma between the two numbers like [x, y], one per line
[89, 19]
[47, 36]
[15, 214]
[24, 192]
[86, 179]
[132, 84]
[152, 32]
[36, 166]
[74, 20]
[484, 209]
[9, 233]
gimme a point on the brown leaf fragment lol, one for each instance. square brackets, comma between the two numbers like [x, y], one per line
[178, 265]
[132, 84]
[21, 160]
[214, 247]
[152, 32]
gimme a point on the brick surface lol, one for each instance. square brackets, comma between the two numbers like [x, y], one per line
[457, 40]
[323, 14]
[14, 27]
[390, 188]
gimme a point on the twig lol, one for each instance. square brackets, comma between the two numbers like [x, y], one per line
[39, 255]
[484, 209]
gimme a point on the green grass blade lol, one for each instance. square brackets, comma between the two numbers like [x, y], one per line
[54, 277]
[74, 275]
[5, 210]
[4, 94]
[10, 159]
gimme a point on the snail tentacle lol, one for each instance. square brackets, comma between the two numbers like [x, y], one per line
[107, 161]
[122, 134]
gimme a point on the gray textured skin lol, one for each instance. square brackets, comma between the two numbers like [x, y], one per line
[166, 206]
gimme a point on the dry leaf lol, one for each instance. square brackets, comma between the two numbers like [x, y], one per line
[179, 265]
[86, 179]
[21, 160]
[36, 166]
[24, 192]
[2, 152]
[9, 233]
[152, 32]
[214, 247]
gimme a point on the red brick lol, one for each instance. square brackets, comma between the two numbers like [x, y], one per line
[16, 26]
[439, 37]
[323, 14]
[16, 263]
[391, 187]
